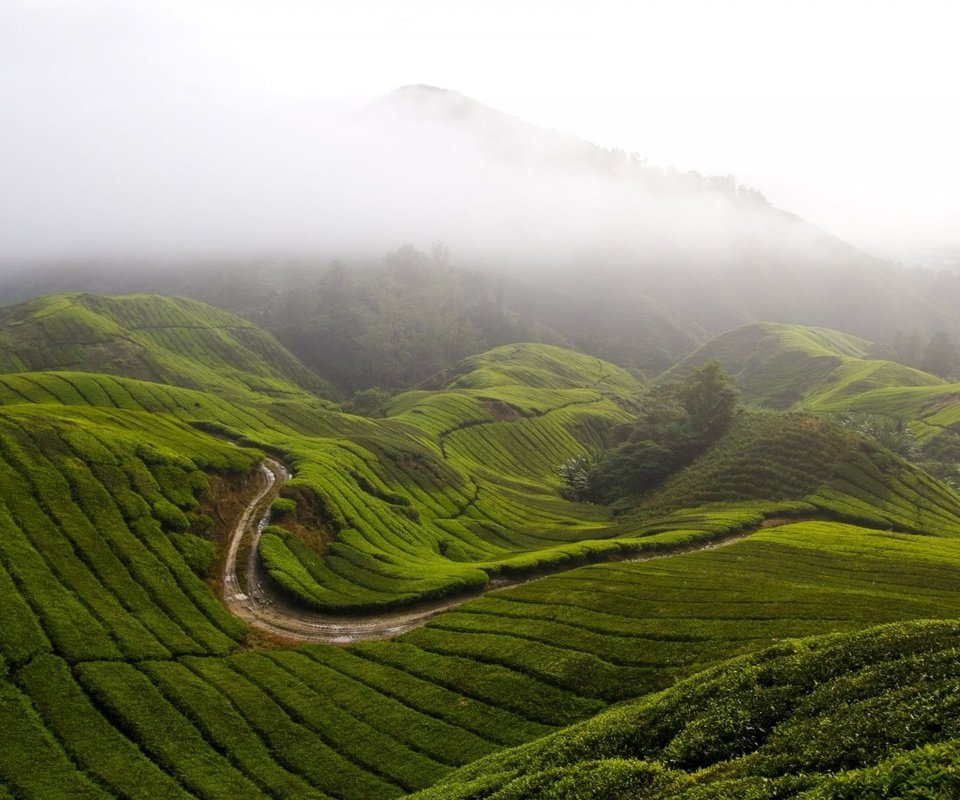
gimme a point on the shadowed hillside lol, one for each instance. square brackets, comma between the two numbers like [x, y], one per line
[780, 365]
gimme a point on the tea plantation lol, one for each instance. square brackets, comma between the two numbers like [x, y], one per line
[131, 434]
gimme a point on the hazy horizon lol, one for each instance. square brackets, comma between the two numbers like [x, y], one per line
[174, 128]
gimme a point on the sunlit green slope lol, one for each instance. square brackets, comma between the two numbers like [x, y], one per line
[779, 365]
[167, 340]
[455, 485]
[301, 413]
[871, 714]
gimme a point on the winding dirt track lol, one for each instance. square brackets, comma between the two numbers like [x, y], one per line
[261, 606]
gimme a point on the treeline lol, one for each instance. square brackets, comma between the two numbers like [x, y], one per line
[936, 354]
[397, 325]
[391, 322]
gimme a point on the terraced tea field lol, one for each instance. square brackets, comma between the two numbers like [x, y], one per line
[125, 502]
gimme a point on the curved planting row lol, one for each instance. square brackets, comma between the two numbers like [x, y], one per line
[89, 514]
[881, 491]
[257, 417]
[455, 486]
[173, 340]
[868, 715]
[384, 718]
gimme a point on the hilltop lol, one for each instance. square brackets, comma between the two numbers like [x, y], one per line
[780, 365]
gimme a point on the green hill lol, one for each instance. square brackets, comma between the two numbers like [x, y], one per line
[864, 715]
[780, 365]
[122, 674]
[165, 340]
[540, 367]
[828, 373]
[455, 485]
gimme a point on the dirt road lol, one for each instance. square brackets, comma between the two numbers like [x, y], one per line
[258, 603]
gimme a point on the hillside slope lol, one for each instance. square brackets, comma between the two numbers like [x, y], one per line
[166, 340]
[779, 365]
[123, 675]
[871, 714]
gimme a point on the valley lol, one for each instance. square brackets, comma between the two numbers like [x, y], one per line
[436, 401]
[474, 608]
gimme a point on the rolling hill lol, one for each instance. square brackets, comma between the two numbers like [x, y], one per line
[175, 341]
[830, 373]
[555, 240]
[123, 674]
[780, 366]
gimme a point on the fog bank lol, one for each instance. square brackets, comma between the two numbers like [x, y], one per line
[161, 130]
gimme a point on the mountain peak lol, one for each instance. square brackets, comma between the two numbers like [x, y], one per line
[423, 100]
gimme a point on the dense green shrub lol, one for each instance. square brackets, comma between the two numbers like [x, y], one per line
[198, 553]
[283, 505]
[169, 516]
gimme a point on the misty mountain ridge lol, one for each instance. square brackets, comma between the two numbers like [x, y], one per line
[575, 245]
[509, 137]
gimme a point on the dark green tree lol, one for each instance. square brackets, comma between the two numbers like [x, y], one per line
[710, 399]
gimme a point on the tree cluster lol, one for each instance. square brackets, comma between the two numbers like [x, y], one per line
[395, 326]
[937, 355]
[676, 422]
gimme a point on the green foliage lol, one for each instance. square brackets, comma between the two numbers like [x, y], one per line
[199, 554]
[169, 516]
[791, 720]
[164, 734]
[894, 434]
[575, 475]
[709, 399]
[32, 762]
[941, 357]
[675, 423]
[88, 737]
[631, 468]
[283, 505]
[371, 402]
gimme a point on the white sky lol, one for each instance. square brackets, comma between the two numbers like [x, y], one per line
[845, 112]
